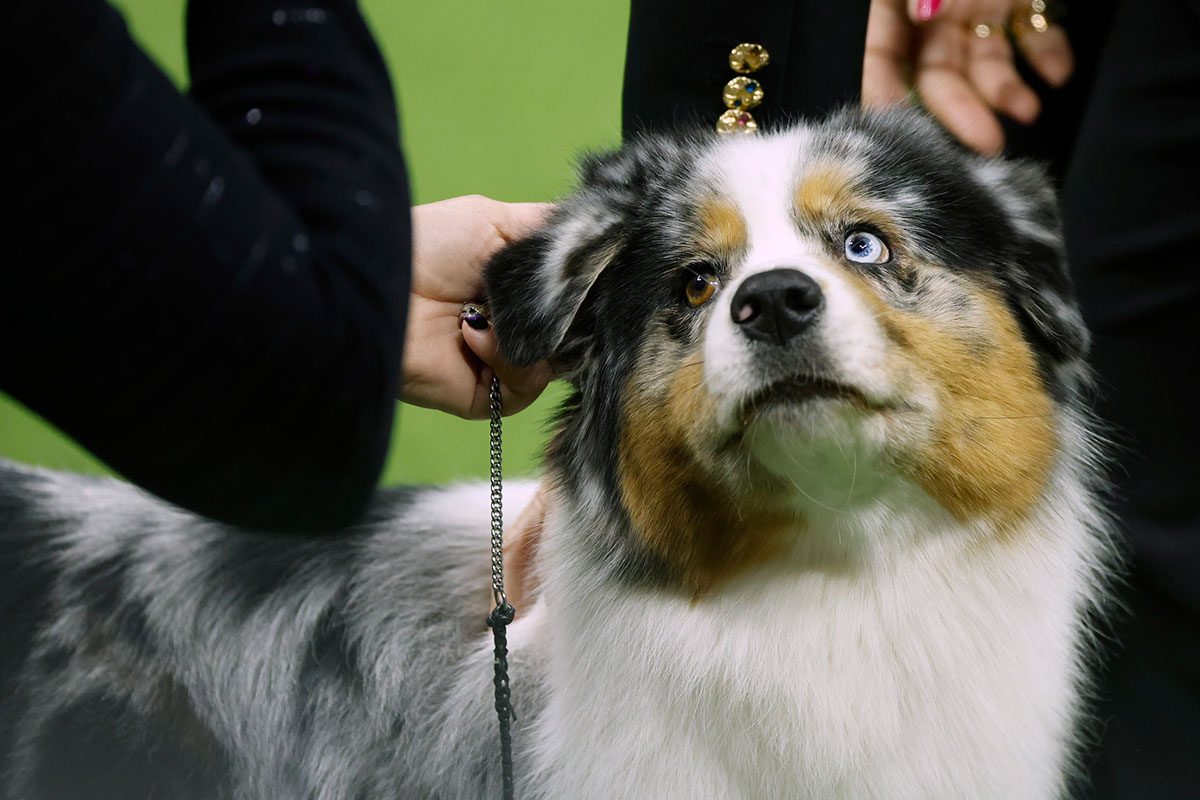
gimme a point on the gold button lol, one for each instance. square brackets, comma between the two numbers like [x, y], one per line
[746, 58]
[742, 92]
[736, 121]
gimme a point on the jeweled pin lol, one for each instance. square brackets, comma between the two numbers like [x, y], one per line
[736, 121]
[742, 93]
[748, 57]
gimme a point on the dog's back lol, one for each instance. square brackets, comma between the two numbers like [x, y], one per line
[150, 653]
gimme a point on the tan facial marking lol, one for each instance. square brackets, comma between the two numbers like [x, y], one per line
[722, 228]
[681, 512]
[824, 193]
[994, 437]
[828, 195]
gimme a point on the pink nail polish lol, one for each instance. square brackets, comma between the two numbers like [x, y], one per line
[926, 9]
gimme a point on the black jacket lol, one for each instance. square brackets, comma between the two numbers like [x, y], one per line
[207, 291]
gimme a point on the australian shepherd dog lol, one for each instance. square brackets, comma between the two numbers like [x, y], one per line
[823, 523]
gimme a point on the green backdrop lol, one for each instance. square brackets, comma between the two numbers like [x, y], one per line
[497, 97]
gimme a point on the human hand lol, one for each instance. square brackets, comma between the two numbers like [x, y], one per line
[447, 364]
[961, 77]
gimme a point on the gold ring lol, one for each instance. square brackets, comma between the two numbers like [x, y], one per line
[1031, 19]
[474, 310]
[985, 30]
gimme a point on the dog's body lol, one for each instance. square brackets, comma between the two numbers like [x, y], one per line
[823, 524]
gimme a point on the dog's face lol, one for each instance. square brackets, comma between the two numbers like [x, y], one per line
[776, 327]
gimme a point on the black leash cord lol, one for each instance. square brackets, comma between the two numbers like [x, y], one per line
[502, 615]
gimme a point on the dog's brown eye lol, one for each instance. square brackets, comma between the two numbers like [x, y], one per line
[699, 287]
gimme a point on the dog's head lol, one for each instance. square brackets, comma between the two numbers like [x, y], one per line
[765, 330]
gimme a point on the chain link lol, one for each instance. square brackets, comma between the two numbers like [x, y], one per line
[497, 491]
[503, 613]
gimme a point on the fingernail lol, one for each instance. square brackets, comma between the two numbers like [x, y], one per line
[475, 315]
[927, 9]
[476, 320]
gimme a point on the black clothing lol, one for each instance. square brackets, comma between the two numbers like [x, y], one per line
[677, 60]
[1132, 217]
[208, 292]
[1124, 137]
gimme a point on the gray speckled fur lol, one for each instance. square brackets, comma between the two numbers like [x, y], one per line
[260, 667]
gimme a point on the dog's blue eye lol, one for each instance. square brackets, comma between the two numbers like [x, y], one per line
[866, 248]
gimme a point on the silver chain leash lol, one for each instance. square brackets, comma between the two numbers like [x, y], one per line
[502, 615]
[495, 476]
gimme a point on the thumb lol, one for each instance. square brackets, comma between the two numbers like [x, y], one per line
[518, 220]
[520, 386]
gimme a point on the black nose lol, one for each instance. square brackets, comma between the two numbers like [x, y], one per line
[777, 305]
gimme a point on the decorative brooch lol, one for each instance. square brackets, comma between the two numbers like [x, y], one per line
[743, 93]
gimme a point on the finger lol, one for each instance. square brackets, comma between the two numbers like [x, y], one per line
[497, 226]
[995, 79]
[1049, 53]
[449, 377]
[480, 406]
[975, 11]
[517, 220]
[454, 239]
[451, 242]
[940, 78]
[508, 222]
[519, 386]
[920, 11]
[954, 103]
[885, 60]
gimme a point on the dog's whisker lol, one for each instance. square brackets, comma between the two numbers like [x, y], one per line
[814, 500]
[853, 480]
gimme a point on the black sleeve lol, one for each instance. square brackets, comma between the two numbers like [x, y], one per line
[208, 293]
[676, 62]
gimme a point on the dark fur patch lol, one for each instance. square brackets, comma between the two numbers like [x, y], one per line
[101, 587]
[98, 747]
[252, 567]
[27, 574]
[333, 656]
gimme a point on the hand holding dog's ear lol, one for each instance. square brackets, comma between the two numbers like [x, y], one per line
[448, 365]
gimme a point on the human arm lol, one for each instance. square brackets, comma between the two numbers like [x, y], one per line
[209, 292]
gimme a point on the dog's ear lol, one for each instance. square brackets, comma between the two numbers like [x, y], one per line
[1039, 285]
[1048, 307]
[537, 286]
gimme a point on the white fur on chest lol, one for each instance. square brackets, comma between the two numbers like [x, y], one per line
[943, 669]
